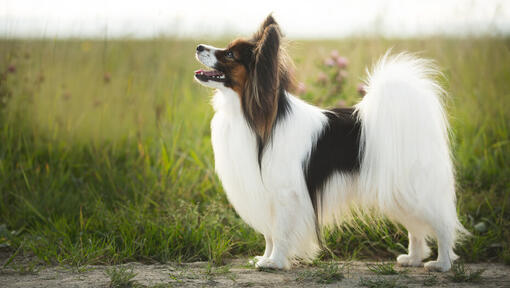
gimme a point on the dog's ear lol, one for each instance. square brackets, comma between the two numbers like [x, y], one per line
[268, 21]
[262, 99]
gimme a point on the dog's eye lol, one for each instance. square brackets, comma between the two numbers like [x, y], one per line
[229, 54]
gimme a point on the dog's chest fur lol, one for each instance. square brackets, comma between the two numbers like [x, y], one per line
[235, 155]
[256, 191]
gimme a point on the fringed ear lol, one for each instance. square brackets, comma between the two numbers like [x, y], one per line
[261, 102]
[269, 21]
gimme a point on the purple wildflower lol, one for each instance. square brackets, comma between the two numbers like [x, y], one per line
[322, 78]
[329, 62]
[301, 88]
[341, 76]
[342, 62]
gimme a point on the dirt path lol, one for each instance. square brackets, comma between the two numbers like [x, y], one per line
[238, 274]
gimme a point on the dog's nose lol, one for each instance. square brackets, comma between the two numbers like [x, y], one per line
[200, 48]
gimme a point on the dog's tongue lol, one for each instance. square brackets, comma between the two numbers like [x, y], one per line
[208, 73]
[213, 73]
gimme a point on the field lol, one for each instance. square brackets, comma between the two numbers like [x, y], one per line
[105, 153]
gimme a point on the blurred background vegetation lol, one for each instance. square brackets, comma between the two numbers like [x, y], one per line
[105, 153]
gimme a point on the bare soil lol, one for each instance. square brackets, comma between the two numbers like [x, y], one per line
[238, 274]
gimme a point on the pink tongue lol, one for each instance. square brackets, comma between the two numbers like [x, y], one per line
[211, 73]
[208, 73]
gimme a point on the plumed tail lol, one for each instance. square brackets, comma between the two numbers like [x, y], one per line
[406, 162]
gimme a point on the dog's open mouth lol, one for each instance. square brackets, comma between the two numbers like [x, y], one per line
[206, 75]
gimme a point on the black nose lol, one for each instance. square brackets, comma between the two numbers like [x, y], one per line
[200, 48]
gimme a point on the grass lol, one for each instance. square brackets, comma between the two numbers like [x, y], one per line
[161, 285]
[460, 273]
[30, 268]
[430, 280]
[212, 272]
[121, 277]
[324, 273]
[380, 283]
[105, 153]
[383, 268]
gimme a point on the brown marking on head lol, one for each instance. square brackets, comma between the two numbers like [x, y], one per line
[234, 61]
[239, 75]
[259, 70]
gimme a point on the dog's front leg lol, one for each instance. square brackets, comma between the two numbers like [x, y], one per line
[285, 231]
[278, 259]
[267, 252]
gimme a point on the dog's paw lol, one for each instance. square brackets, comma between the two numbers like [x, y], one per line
[255, 260]
[268, 263]
[408, 261]
[438, 266]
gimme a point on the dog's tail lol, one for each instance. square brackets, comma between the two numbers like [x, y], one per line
[406, 160]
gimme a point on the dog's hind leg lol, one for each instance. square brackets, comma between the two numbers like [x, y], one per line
[418, 249]
[430, 218]
[445, 234]
[445, 251]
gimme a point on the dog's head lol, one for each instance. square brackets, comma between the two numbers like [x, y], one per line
[257, 69]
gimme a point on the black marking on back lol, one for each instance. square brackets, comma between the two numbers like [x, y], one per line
[337, 149]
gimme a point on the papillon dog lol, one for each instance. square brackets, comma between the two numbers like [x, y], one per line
[289, 168]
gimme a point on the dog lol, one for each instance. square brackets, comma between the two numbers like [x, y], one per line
[290, 168]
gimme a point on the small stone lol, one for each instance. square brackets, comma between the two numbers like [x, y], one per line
[480, 227]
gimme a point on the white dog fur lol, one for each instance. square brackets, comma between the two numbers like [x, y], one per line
[406, 171]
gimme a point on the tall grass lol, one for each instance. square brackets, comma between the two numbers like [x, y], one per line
[105, 153]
